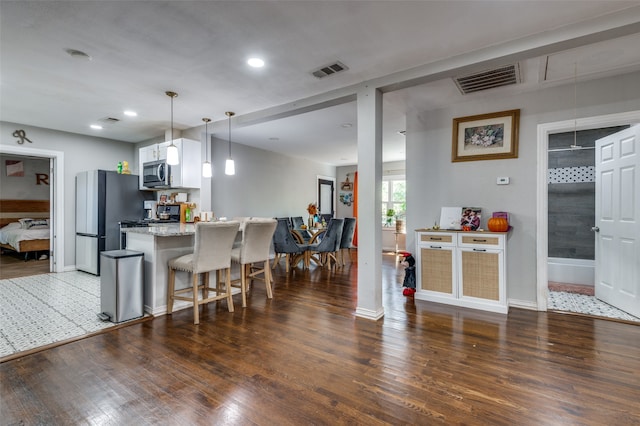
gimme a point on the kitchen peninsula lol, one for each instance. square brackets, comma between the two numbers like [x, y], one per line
[159, 243]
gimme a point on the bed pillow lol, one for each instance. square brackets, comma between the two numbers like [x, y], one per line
[23, 222]
[34, 223]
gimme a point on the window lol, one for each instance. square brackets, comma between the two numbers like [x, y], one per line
[393, 200]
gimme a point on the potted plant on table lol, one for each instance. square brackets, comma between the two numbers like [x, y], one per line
[390, 216]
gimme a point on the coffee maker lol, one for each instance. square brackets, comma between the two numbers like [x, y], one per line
[150, 209]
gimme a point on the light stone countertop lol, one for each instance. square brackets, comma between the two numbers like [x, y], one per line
[165, 230]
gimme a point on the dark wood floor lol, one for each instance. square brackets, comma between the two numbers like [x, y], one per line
[304, 358]
[14, 265]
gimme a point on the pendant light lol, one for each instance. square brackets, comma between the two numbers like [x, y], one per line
[172, 151]
[230, 167]
[206, 166]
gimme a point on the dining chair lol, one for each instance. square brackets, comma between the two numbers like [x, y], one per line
[253, 254]
[297, 222]
[284, 243]
[326, 217]
[328, 247]
[346, 242]
[288, 219]
[211, 252]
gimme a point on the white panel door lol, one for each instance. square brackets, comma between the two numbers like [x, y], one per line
[618, 220]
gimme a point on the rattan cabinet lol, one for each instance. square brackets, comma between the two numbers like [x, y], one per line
[462, 268]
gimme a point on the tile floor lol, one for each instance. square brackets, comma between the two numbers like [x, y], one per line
[585, 304]
[44, 309]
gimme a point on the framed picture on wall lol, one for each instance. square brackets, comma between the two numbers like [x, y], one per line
[346, 185]
[490, 136]
[14, 168]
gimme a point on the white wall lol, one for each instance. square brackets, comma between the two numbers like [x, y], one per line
[342, 210]
[266, 184]
[81, 153]
[434, 181]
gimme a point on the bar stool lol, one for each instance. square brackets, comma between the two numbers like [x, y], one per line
[211, 252]
[253, 255]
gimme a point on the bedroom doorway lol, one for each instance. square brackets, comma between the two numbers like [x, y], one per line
[56, 203]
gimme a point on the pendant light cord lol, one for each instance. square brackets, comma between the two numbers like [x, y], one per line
[575, 105]
[230, 114]
[229, 136]
[172, 119]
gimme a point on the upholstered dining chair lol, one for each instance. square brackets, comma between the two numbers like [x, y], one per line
[253, 254]
[211, 252]
[346, 242]
[287, 220]
[284, 243]
[327, 249]
[297, 222]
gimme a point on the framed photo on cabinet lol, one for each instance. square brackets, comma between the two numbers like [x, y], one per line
[490, 136]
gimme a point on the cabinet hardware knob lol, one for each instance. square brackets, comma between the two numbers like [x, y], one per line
[479, 241]
[436, 247]
[479, 249]
[436, 239]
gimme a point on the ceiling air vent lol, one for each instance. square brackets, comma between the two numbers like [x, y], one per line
[330, 69]
[489, 79]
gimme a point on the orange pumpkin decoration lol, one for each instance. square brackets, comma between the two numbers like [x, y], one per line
[498, 224]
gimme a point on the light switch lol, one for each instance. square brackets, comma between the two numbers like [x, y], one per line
[503, 181]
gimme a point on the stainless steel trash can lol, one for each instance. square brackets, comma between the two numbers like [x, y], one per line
[121, 285]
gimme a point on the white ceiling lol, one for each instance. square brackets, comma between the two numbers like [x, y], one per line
[199, 49]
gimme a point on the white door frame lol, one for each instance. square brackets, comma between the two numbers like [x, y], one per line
[332, 179]
[56, 205]
[544, 130]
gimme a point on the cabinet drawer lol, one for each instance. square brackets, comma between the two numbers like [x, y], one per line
[439, 239]
[481, 240]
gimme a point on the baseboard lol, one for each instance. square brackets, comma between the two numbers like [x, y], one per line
[523, 304]
[369, 314]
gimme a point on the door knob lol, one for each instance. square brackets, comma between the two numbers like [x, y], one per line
[595, 229]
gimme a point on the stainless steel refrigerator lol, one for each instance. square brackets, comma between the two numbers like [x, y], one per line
[103, 199]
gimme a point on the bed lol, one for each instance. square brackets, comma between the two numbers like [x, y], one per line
[22, 236]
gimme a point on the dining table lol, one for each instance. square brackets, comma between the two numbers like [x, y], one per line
[308, 235]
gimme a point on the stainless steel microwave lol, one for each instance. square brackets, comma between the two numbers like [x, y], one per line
[156, 174]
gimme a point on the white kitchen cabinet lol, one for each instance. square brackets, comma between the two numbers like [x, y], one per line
[462, 268]
[186, 174]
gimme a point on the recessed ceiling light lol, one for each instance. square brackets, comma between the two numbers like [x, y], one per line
[96, 127]
[131, 113]
[78, 54]
[255, 62]
[346, 125]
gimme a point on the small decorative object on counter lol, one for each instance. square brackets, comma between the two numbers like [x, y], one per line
[119, 167]
[499, 222]
[312, 209]
[470, 220]
[125, 168]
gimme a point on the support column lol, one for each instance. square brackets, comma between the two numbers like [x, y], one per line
[369, 104]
